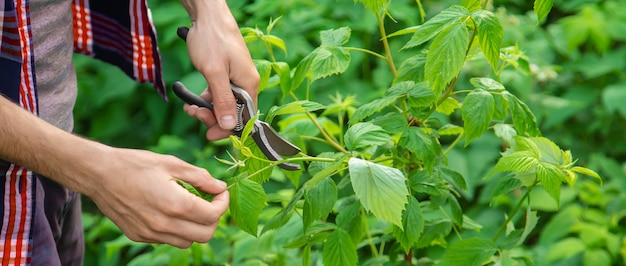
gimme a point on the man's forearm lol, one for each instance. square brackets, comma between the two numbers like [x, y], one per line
[206, 11]
[29, 141]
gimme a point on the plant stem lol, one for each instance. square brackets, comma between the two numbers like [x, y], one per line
[333, 142]
[366, 51]
[454, 143]
[514, 211]
[383, 33]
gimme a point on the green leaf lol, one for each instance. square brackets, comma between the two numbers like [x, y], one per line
[421, 95]
[203, 195]
[519, 161]
[506, 132]
[339, 249]
[490, 34]
[435, 25]
[371, 108]
[531, 222]
[283, 71]
[542, 8]
[392, 122]
[455, 208]
[247, 199]
[550, 152]
[322, 197]
[412, 225]
[372, 182]
[477, 112]
[450, 130]
[419, 143]
[551, 178]
[586, 171]
[336, 37]
[471, 5]
[446, 56]
[274, 41]
[469, 251]
[365, 134]
[296, 107]
[448, 106]
[253, 165]
[506, 185]
[523, 119]
[487, 84]
[329, 60]
[373, 5]
[411, 69]
[453, 177]
[264, 68]
[614, 97]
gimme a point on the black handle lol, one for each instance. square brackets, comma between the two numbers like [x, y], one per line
[189, 97]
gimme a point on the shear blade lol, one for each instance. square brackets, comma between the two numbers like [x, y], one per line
[273, 146]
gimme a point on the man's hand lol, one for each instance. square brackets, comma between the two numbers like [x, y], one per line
[140, 194]
[218, 51]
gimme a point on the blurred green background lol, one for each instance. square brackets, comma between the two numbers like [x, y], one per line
[576, 86]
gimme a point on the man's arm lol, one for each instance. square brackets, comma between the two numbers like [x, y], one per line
[218, 51]
[135, 188]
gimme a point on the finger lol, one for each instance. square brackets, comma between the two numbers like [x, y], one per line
[204, 115]
[221, 202]
[217, 133]
[224, 103]
[202, 179]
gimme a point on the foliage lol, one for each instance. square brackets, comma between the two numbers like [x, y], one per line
[453, 157]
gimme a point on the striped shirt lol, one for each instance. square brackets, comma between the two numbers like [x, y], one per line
[119, 32]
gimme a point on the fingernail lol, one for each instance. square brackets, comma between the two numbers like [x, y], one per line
[221, 183]
[228, 122]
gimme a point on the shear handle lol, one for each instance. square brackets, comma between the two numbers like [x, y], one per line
[189, 97]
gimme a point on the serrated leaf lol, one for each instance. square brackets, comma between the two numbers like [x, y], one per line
[519, 161]
[373, 5]
[419, 143]
[335, 37]
[526, 144]
[448, 106]
[446, 56]
[506, 132]
[412, 225]
[296, 107]
[435, 25]
[490, 33]
[523, 119]
[477, 112]
[454, 177]
[506, 185]
[329, 60]
[550, 152]
[371, 108]
[421, 95]
[264, 68]
[339, 250]
[450, 130]
[372, 182]
[531, 222]
[411, 69]
[256, 166]
[455, 208]
[470, 251]
[274, 41]
[322, 197]
[391, 122]
[551, 178]
[283, 71]
[542, 8]
[487, 84]
[365, 134]
[586, 171]
[247, 200]
[471, 5]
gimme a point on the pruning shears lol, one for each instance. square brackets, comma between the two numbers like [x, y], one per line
[271, 144]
